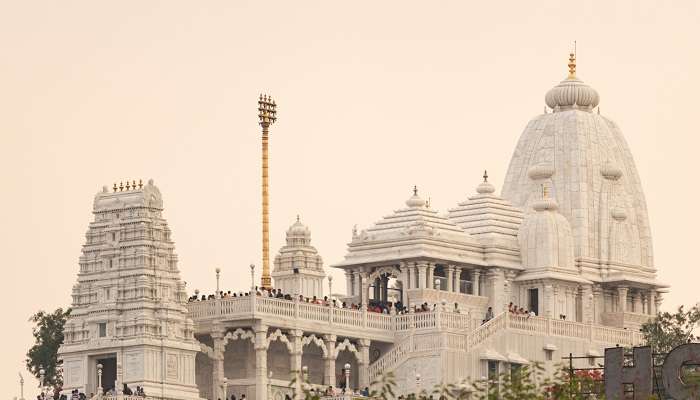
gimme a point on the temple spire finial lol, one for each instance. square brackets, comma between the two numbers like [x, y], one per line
[572, 63]
[486, 176]
[415, 190]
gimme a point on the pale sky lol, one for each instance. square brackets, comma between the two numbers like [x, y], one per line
[373, 98]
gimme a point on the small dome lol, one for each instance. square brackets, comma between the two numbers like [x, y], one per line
[572, 92]
[540, 171]
[618, 214]
[415, 200]
[485, 187]
[298, 229]
[611, 171]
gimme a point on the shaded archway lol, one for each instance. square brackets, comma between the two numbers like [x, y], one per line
[312, 359]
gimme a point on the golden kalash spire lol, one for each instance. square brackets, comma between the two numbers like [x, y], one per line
[572, 63]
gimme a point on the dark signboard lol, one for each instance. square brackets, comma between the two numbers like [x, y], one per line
[621, 376]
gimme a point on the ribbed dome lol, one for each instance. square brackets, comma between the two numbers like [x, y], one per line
[298, 233]
[572, 93]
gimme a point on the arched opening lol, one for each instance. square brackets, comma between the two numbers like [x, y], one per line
[239, 364]
[312, 359]
[204, 369]
[384, 289]
[346, 357]
[278, 360]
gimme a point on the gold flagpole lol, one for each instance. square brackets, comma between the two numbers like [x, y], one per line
[267, 114]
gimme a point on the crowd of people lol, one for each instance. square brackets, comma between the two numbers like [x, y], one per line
[515, 310]
[76, 394]
[378, 307]
[374, 306]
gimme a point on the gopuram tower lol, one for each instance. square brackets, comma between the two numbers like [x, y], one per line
[129, 322]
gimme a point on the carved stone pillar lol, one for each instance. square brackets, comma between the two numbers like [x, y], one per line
[260, 346]
[598, 303]
[422, 270]
[456, 276]
[637, 302]
[622, 299]
[657, 301]
[431, 274]
[405, 279]
[348, 284]
[652, 302]
[296, 337]
[329, 360]
[364, 294]
[476, 287]
[363, 363]
[587, 304]
[496, 286]
[450, 278]
[358, 283]
[548, 301]
[217, 335]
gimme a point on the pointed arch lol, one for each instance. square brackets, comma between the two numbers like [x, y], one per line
[346, 345]
[278, 335]
[317, 341]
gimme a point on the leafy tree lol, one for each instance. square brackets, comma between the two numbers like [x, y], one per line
[48, 337]
[669, 330]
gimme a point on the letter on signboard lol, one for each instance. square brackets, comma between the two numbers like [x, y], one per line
[617, 376]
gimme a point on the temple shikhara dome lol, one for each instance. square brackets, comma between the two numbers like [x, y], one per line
[560, 262]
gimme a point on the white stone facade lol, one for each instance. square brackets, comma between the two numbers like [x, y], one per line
[568, 239]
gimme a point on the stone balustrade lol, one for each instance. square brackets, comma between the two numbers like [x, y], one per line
[414, 345]
[305, 313]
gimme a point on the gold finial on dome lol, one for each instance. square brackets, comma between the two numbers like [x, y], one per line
[486, 176]
[572, 66]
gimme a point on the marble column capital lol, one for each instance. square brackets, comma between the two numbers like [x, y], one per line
[330, 338]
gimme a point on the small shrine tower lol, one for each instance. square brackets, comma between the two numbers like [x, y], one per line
[298, 266]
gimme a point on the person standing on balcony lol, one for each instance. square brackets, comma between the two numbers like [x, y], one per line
[489, 315]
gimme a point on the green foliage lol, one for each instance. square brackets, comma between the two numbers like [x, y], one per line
[48, 337]
[669, 330]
